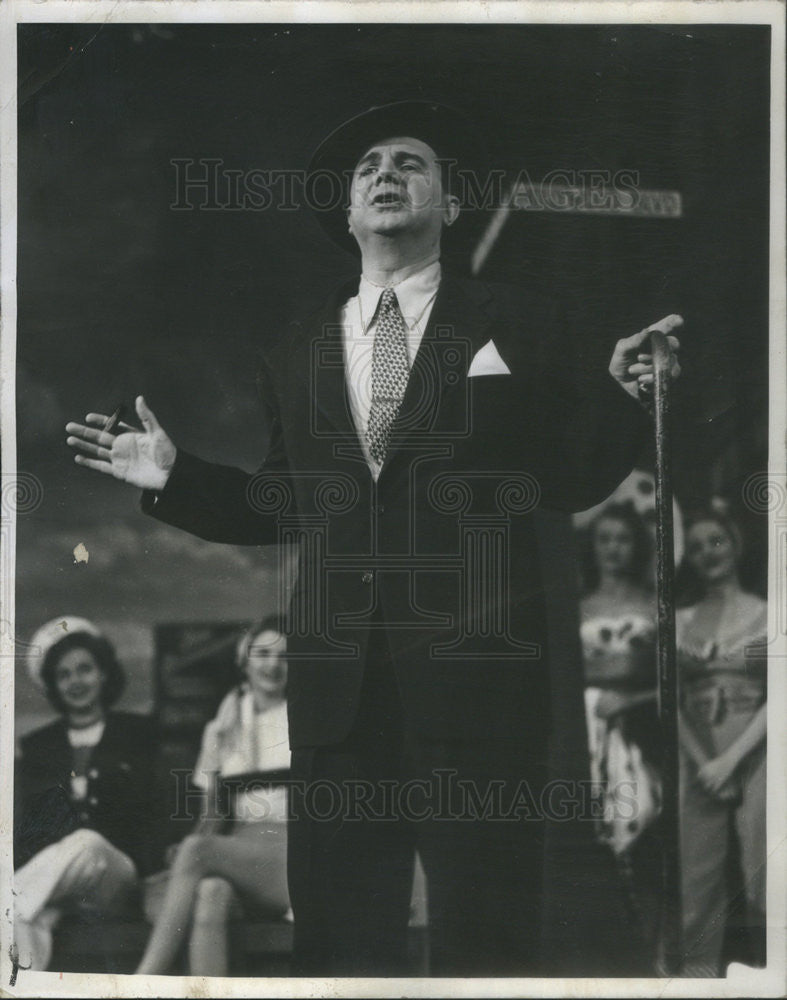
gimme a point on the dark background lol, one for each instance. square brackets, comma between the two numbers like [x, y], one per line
[120, 295]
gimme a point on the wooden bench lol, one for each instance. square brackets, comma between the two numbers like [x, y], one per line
[259, 948]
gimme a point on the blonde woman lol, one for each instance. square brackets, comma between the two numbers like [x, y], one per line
[721, 642]
[213, 869]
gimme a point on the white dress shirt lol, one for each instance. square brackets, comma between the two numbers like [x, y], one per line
[358, 317]
[240, 740]
[84, 739]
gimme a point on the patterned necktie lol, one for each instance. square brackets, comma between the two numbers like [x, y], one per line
[390, 369]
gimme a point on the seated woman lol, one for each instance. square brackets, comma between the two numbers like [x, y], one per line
[247, 737]
[722, 663]
[617, 629]
[83, 788]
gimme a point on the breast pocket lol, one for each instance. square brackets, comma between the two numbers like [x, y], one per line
[495, 401]
[503, 430]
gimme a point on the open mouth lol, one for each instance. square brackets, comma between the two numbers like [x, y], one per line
[387, 198]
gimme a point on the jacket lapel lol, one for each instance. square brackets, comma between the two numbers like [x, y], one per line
[458, 327]
[325, 364]
[109, 744]
[58, 748]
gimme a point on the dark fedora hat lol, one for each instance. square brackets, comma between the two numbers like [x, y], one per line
[446, 130]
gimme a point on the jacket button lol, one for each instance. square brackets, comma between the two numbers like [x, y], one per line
[93, 800]
[380, 508]
[92, 773]
[368, 576]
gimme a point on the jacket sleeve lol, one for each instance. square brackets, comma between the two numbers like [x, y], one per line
[596, 433]
[224, 504]
[43, 811]
[591, 431]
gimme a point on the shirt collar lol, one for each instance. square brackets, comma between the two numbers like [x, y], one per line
[413, 294]
[87, 737]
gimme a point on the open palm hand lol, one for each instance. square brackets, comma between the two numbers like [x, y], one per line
[142, 458]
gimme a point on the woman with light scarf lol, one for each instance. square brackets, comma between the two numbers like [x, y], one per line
[245, 747]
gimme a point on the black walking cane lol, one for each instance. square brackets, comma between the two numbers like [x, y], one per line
[670, 935]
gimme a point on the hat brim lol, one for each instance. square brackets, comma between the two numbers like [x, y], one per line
[49, 636]
[446, 130]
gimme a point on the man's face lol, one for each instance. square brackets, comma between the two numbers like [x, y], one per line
[397, 188]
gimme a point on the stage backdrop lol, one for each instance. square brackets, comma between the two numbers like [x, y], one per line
[120, 293]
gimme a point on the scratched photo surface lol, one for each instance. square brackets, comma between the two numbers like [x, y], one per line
[166, 240]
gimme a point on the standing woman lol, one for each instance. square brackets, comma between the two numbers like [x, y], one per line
[83, 790]
[248, 739]
[722, 661]
[617, 629]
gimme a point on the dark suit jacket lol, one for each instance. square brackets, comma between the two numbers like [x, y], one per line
[442, 547]
[120, 796]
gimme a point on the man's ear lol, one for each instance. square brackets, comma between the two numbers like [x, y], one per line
[450, 209]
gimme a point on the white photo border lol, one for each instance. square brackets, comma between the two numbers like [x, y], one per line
[741, 981]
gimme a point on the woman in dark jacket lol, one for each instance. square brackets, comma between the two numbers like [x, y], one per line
[83, 788]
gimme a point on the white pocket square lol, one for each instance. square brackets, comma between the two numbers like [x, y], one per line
[487, 361]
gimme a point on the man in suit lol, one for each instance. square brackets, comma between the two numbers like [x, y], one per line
[415, 424]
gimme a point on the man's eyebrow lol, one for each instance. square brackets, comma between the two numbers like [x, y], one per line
[408, 154]
[371, 157]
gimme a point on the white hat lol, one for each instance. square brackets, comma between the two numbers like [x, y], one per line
[50, 635]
